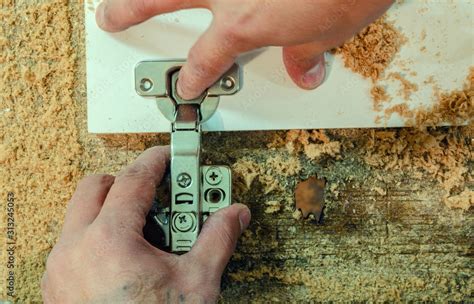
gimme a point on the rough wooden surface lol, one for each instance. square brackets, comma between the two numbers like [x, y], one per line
[386, 235]
[397, 242]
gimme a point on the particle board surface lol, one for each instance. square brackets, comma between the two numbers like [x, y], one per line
[387, 232]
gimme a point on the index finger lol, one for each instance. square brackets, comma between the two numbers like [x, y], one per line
[130, 198]
[210, 57]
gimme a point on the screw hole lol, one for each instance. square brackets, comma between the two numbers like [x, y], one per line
[146, 85]
[227, 83]
[215, 196]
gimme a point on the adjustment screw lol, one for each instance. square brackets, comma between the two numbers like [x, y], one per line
[184, 180]
[214, 175]
[183, 222]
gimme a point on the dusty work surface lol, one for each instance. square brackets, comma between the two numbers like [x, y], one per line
[398, 219]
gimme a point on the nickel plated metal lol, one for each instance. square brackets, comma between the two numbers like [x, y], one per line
[196, 191]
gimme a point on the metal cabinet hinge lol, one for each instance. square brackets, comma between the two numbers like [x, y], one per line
[196, 191]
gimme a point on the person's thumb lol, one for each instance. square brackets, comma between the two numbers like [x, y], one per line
[219, 236]
[305, 64]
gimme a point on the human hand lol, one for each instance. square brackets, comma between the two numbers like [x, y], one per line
[102, 257]
[304, 28]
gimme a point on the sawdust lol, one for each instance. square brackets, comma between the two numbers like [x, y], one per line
[301, 138]
[455, 108]
[402, 109]
[379, 190]
[371, 51]
[40, 158]
[45, 150]
[283, 166]
[436, 153]
[408, 87]
[248, 170]
[464, 200]
[272, 207]
[379, 96]
[314, 144]
[277, 165]
[441, 155]
[297, 215]
[316, 151]
[331, 289]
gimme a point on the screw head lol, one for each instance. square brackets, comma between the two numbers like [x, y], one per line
[214, 175]
[227, 83]
[184, 180]
[183, 222]
[146, 85]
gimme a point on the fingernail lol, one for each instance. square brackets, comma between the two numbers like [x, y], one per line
[244, 218]
[99, 14]
[315, 76]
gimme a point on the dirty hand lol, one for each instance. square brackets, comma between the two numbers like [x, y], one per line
[102, 257]
[305, 29]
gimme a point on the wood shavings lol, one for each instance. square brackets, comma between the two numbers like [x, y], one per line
[464, 200]
[442, 156]
[315, 144]
[270, 183]
[3, 42]
[281, 166]
[370, 52]
[316, 151]
[401, 109]
[272, 207]
[249, 170]
[423, 35]
[379, 190]
[297, 215]
[252, 276]
[379, 96]
[456, 107]
[407, 87]
[40, 154]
